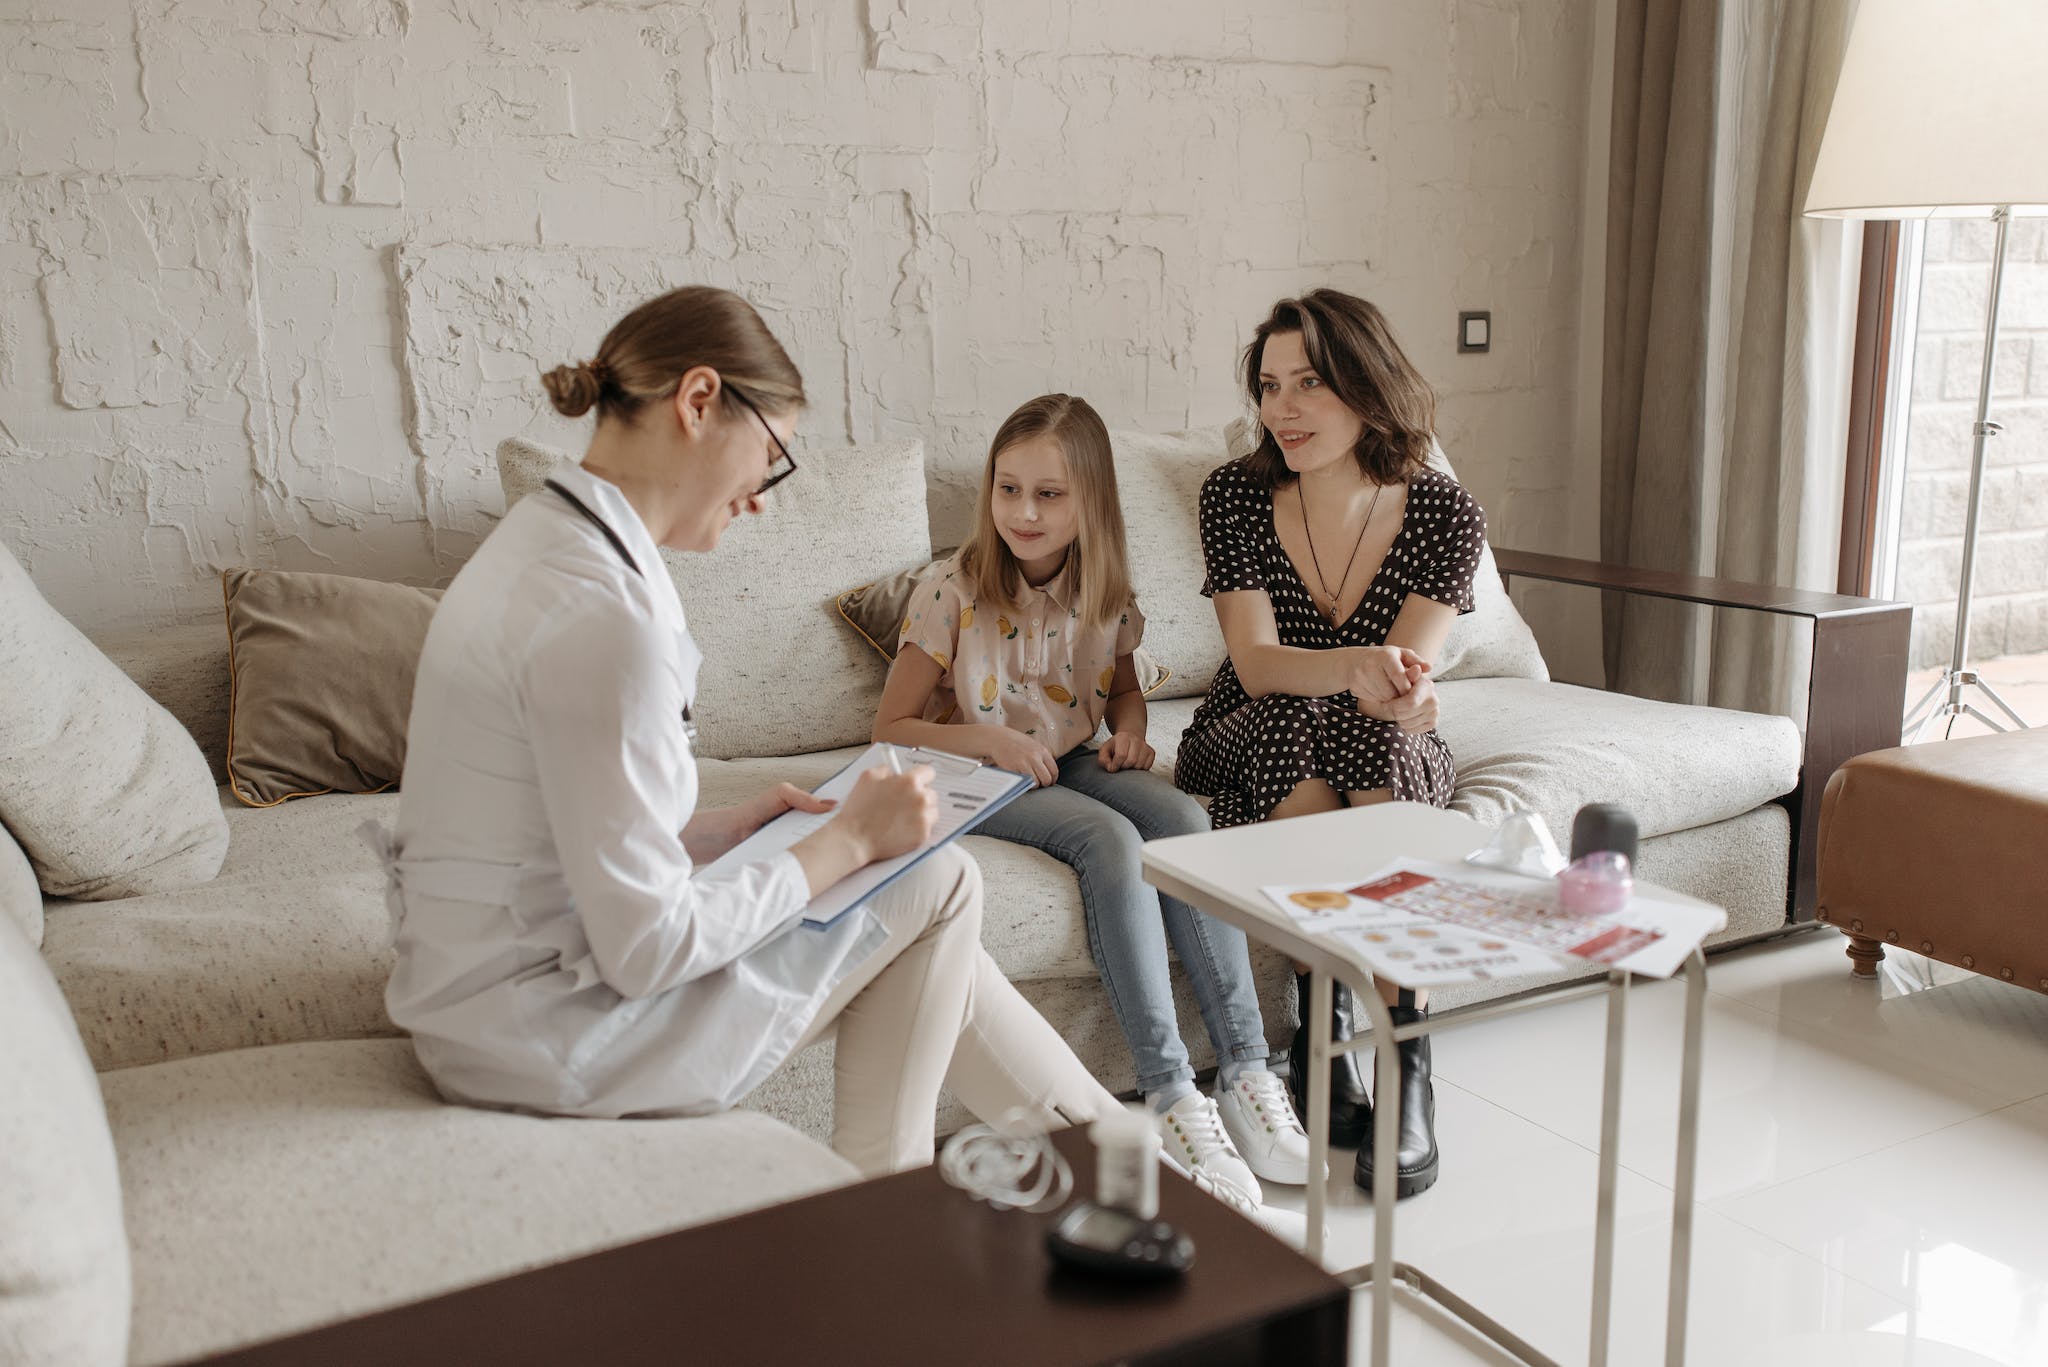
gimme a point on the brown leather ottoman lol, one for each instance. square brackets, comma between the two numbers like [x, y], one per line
[1943, 849]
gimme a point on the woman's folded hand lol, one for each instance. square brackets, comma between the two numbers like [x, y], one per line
[1415, 711]
[1380, 674]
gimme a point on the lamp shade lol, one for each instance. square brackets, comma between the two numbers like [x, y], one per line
[1941, 112]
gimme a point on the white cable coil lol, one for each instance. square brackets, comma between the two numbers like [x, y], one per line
[1009, 1171]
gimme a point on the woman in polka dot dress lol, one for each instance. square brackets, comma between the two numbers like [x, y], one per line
[1336, 561]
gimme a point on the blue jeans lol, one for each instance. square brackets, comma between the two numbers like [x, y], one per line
[1093, 821]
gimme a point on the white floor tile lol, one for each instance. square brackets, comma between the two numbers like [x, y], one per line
[1989, 1033]
[1873, 1168]
[1779, 1098]
[1785, 971]
[1754, 1306]
[1510, 1227]
[1952, 1223]
[1423, 1336]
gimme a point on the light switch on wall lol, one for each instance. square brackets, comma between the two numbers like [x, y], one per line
[1475, 331]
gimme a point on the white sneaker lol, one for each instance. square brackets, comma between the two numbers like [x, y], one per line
[1195, 1141]
[1259, 1116]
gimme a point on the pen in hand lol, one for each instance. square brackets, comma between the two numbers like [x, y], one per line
[895, 764]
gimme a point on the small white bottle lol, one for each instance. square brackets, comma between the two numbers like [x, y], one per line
[1127, 1162]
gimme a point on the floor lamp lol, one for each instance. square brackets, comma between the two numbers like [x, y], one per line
[1940, 112]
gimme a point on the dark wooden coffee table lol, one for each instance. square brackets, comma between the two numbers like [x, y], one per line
[897, 1271]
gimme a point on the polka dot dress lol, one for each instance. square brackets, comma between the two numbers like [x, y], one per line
[1249, 753]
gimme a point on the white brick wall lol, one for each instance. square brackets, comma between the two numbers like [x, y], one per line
[2009, 612]
[274, 279]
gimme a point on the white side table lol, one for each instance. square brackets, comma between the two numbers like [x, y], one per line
[1221, 872]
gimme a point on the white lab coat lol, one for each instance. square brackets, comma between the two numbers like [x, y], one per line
[554, 952]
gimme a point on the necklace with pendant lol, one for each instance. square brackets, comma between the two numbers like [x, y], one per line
[1329, 606]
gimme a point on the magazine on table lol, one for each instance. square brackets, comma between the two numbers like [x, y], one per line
[1424, 924]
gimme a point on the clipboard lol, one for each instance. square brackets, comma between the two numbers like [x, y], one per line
[969, 791]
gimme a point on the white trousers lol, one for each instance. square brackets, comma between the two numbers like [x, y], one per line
[930, 1008]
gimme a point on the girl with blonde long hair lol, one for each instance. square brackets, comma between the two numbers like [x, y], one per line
[1015, 652]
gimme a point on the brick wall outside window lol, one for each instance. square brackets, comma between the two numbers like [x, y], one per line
[2009, 614]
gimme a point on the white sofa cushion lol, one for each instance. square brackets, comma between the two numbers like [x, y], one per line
[1159, 480]
[288, 944]
[1521, 742]
[270, 1190]
[186, 670]
[781, 675]
[524, 466]
[64, 1266]
[1550, 748]
[104, 790]
[21, 898]
[1164, 723]
[1491, 641]
[1534, 745]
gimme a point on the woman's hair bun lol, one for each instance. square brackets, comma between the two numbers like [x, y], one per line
[646, 354]
[574, 389]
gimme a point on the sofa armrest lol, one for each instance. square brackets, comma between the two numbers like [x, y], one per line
[1855, 695]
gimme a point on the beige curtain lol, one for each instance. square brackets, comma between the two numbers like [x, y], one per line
[1729, 334]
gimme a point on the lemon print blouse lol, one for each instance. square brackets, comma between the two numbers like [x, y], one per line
[1034, 667]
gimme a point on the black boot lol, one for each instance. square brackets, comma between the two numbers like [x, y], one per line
[1350, 1102]
[1415, 1154]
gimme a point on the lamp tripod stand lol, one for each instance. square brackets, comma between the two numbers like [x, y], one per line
[1948, 697]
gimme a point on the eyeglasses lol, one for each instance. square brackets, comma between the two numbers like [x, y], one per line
[788, 467]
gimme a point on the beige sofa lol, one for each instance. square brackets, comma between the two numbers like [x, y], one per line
[163, 1209]
[254, 1090]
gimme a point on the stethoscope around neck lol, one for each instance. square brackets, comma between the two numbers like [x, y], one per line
[619, 545]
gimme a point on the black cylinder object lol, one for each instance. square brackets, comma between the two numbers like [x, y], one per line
[1604, 826]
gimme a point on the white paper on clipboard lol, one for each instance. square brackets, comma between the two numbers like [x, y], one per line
[968, 791]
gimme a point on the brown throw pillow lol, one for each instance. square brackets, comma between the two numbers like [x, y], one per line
[320, 668]
[877, 611]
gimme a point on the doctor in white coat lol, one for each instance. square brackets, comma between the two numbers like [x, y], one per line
[556, 951]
